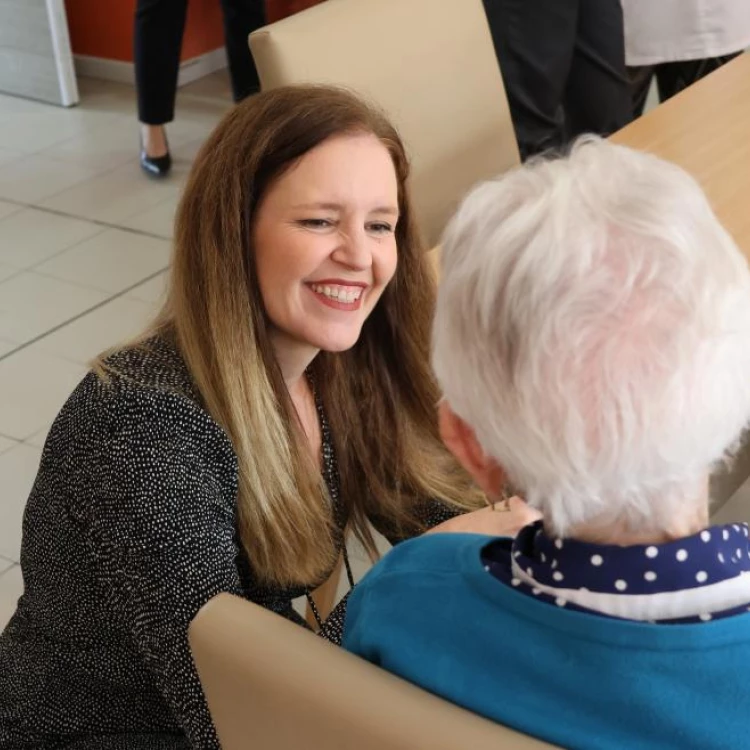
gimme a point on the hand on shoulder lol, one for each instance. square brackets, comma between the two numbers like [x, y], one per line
[493, 521]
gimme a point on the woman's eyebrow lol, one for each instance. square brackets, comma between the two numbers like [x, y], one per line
[328, 206]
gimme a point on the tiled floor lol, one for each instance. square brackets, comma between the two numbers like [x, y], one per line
[84, 244]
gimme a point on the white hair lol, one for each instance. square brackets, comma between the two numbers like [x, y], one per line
[593, 329]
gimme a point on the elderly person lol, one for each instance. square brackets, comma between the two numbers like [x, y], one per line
[593, 343]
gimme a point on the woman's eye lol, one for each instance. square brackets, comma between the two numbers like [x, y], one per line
[380, 227]
[316, 223]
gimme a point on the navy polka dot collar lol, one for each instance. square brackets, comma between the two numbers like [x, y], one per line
[711, 556]
[696, 578]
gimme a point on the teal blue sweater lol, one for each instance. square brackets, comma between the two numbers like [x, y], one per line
[430, 613]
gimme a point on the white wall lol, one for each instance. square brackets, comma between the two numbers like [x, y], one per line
[35, 56]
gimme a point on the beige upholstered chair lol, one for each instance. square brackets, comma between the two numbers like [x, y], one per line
[429, 64]
[271, 685]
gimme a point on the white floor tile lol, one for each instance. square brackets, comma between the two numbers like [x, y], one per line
[113, 323]
[102, 150]
[8, 155]
[6, 346]
[6, 444]
[34, 178]
[197, 123]
[187, 152]
[18, 468]
[31, 236]
[39, 438]
[154, 290]
[215, 85]
[106, 97]
[158, 220]
[6, 271]
[114, 196]
[206, 101]
[11, 588]
[88, 119]
[15, 105]
[6, 209]
[184, 156]
[110, 261]
[34, 386]
[30, 132]
[31, 304]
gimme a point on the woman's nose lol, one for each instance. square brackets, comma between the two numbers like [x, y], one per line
[354, 250]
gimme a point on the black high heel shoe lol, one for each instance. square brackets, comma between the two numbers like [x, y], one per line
[156, 166]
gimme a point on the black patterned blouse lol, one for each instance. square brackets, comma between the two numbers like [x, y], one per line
[129, 530]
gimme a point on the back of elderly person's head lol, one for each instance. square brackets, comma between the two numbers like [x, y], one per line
[593, 330]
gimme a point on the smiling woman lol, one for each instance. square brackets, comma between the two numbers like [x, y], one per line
[326, 244]
[282, 398]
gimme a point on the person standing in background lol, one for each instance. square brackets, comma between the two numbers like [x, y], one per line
[159, 26]
[680, 41]
[563, 64]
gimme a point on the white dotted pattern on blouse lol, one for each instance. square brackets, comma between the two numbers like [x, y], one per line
[129, 530]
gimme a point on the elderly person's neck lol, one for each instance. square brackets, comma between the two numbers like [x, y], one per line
[623, 534]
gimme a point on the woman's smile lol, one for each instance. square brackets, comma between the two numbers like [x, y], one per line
[339, 295]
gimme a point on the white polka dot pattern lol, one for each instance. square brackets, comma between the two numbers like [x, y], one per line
[133, 512]
[636, 582]
[129, 530]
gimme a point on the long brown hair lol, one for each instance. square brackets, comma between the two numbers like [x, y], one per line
[380, 396]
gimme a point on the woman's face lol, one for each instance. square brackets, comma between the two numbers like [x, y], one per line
[324, 243]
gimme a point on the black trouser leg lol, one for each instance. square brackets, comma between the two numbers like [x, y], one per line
[534, 42]
[597, 95]
[159, 25]
[671, 78]
[641, 77]
[241, 17]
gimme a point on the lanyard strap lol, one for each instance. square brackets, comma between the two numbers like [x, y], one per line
[350, 578]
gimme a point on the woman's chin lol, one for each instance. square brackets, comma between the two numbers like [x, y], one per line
[337, 344]
[338, 348]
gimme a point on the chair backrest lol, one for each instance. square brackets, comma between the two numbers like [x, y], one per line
[271, 684]
[430, 64]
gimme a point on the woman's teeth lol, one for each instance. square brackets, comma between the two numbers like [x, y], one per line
[341, 294]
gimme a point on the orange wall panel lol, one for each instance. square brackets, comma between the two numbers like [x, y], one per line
[104, 28]
[276, 9]
[101, 28]
[204, 29]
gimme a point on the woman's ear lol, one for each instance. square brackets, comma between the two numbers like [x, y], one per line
[461, 441]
